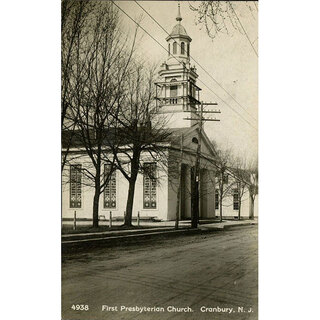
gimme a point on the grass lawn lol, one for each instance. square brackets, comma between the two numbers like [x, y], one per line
[68, 229]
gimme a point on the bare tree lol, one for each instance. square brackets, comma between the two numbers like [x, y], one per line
[223, 162]
[218, 16]
[140, 132]
[253, 186]
[96, 92]
[245, 180]
[74, 30]
[240, 180]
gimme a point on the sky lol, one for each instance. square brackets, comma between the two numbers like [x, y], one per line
[229, 59]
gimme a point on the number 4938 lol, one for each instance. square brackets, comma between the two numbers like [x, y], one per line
[80, 307]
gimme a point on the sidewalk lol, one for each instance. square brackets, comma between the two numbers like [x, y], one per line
[156, 228]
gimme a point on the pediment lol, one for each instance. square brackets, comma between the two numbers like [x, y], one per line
[191, 140]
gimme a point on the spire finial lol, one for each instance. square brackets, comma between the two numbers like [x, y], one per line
[179, 18]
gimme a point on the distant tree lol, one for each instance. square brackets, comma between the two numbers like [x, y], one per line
[245, 180]
[253, 185]
[223, 162]
[240, 180]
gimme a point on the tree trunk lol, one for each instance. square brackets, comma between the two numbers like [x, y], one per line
[221, 185]
[220, 199]
[239, 211]
[132, 183]
[95, 216]
[128, 216]
[251, 207]
[220, 203]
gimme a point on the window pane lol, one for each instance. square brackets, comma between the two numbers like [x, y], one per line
[182, 47]
[216, 199]
[110, 191]
[173, 91]
[149, 186]
[235, 199]
[174, 48]
[75, 186]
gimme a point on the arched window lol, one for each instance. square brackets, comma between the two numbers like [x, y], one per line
[174, 48]
[188, 49]
[182, 47]
[169, 49]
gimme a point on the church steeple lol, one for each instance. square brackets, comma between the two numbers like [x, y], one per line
[178, 42]
[179, 18]
[177, 94]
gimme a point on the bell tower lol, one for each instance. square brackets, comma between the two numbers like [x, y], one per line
[177, 94]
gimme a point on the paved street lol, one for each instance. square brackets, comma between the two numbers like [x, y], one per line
[185, 273]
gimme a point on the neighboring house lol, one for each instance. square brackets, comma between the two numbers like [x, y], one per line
[177, 98]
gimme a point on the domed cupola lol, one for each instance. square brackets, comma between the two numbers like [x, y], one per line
[177, 94]
[179, 41]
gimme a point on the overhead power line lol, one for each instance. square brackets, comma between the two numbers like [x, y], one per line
[243, 29]
[179, 62]
[197, 63]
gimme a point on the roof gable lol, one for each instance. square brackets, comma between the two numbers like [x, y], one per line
[190, 140]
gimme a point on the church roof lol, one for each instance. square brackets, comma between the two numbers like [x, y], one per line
[121, 137]
[178, 30]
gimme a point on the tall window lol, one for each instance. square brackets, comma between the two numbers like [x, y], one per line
[173, 91]
[149, 186]
[192, 89]
[216, 199]
[235, 199]
[110, 191]
[169, 49]
[188, 49]
[182, 48]
[174, 48]
[75, 186]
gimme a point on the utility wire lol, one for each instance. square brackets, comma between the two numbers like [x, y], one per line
[243, 29]
[197, 62]
[180, 62]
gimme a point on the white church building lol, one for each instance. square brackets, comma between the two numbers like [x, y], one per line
[177, 98]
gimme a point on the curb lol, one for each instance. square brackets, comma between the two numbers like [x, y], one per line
[76, 244]
[226, 226]
[73, 245]
[125, 236]
[109, 234]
